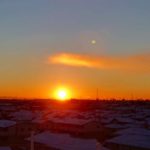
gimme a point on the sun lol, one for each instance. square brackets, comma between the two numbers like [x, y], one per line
[62, 94]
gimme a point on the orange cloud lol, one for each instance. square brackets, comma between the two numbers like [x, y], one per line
[123, 63]
[73, 60]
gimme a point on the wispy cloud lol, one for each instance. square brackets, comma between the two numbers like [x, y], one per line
[124, 63]
[74, 60]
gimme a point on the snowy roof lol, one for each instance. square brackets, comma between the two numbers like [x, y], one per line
[125, 119]
[148, 121]
[66, 142]
[74, 121]
[23, 115]
[116, 126]
[5, 148]
[6, 123]
[140, 141]
[106, 120]
[134, 131]
[7, 108]
[135, 125]
[117, 119]
[38, 120]
[68, 114]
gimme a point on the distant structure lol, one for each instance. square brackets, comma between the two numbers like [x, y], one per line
[97, 94]
[132, 96]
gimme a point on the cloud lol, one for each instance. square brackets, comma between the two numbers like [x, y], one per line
[74, 60]
[124, 63]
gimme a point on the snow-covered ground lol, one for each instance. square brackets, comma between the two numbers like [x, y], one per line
[128, 124]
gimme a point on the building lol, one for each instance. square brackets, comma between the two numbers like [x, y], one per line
[66, 142]
[75, 126]
[7, 128]
[10, 129]
[130, 139]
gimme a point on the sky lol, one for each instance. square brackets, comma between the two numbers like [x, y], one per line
[82, 45]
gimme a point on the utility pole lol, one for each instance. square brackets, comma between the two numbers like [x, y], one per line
[32, 140]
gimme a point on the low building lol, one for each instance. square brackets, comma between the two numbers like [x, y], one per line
[10, 129]
[66, 142]
[22, 115]
[7, 128]
[24, 129]
[76, 126]
[130, 139]
[5, 148]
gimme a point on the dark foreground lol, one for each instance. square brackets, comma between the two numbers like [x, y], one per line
[74, 125]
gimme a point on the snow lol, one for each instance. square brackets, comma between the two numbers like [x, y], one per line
[23, 115]
[6, 123]
[66, 142]
[5, 148]
[124, 119]
[140, 141]
[134, 131]
[118, 119]
[116, 126]
[74, 121]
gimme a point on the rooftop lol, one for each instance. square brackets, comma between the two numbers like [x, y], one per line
[6, 123]
[135, 140]
[5, 148]
[66, 142]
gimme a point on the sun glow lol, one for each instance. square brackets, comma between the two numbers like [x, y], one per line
[62, 94]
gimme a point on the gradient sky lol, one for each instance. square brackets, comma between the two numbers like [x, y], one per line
[45, 44]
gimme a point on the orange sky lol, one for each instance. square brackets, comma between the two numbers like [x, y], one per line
[125, 77]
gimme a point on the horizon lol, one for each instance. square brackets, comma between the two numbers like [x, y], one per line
[72, 99]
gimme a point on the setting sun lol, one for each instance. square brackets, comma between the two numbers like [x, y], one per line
[62, 94]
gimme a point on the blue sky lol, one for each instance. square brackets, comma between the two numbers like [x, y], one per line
[123, 25]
